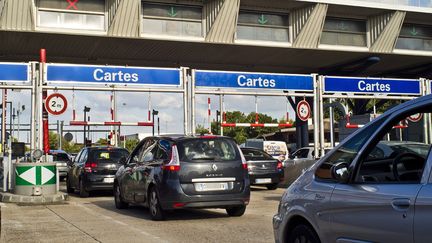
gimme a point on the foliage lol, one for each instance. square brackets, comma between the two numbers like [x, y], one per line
[240, 134]
[131, 144]
[69, 147]
[201, 130]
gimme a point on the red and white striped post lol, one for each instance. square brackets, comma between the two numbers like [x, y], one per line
[46, 146]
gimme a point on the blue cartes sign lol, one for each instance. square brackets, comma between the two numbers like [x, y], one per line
[113, 75]
[219, 79]
[372, 85]
[12, 72]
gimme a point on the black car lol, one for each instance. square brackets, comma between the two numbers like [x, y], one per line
[94, 169]
[263, 168]
[166, 173]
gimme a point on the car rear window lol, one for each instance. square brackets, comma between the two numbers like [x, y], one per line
[252, 154]
[199, 149]
[107, 155]
[60, 157]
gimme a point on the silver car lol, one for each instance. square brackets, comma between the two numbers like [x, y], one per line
[375, 186]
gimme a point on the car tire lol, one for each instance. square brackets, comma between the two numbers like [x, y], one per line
[119, 203]
[155, 209]
[303, 233]
[272, 186]
[82, 191]
[69, 189]
[236, 211]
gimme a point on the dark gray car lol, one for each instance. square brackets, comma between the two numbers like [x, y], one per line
[94, 169]
[176, 172]
[263, 169]
[375, 186]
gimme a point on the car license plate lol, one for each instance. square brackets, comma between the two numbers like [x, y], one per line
[204, 187]
[263, 180]
[108, 180]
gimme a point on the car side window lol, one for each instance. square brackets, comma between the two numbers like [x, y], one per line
[347, 151]
[163, 148]
[77, 158]
[399, 157]
[150, 149]
[83, 157]
[135, 156]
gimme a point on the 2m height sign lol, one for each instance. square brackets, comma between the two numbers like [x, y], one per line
[56, 104]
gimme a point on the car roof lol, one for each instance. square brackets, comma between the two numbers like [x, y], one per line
[179, 137]
[57, 151]
[105, 147]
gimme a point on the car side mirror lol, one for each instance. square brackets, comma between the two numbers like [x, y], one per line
[340, 172]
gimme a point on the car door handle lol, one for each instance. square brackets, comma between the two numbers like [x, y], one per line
[401, 203]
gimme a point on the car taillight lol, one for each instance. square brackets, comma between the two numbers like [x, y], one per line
[243, 159]
[279, 165]
[89, 166]
[174, 164]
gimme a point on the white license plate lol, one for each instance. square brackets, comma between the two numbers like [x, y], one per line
[108, 180]
[203, 187]
[263, 180]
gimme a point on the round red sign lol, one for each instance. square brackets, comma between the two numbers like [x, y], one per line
[303, 110]
[415, 117]
[56, 104]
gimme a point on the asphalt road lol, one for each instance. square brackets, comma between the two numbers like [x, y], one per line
[95, 219]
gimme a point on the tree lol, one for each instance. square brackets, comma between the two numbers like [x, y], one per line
[66, 146]
[240, 134]
[131, 144]
[201, 130]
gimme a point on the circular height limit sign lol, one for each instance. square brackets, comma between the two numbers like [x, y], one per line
[303, 110]
[56, 104]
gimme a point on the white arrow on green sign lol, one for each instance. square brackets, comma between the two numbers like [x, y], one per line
[35, 175]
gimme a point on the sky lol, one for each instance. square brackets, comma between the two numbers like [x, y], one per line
[133, 107]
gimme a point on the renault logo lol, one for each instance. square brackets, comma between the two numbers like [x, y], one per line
[263, 166]
[214, 167]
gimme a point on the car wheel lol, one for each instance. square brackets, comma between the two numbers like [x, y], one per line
[83, 191]
[272, 186]
[303, 234]
[236, 211]
[119, 203]
[69, 189]
[155, 209]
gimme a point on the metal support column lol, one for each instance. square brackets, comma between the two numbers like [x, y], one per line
[321, 112]
[193, 130]
[186, 83]
[316, 115]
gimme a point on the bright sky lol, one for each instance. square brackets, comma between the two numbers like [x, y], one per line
[133, 107]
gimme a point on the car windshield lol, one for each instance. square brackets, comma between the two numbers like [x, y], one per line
[253, 154]
[108, 155]
[199, 149]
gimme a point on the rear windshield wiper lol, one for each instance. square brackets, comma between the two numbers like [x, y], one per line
[206, 158]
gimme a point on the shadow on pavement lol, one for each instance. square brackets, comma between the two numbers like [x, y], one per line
[142, 212]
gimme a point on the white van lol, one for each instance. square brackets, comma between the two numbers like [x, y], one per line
[277, 149]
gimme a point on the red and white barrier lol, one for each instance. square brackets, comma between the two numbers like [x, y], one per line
[110, 123]
[282, 125]
[349, 125]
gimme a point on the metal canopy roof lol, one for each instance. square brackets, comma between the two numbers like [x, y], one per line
[67, 48]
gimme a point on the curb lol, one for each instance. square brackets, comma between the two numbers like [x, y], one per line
[33, 200]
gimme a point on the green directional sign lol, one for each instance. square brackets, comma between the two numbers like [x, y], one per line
[35, 175]
[172, 12]
[414, 32]
[262, 19]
